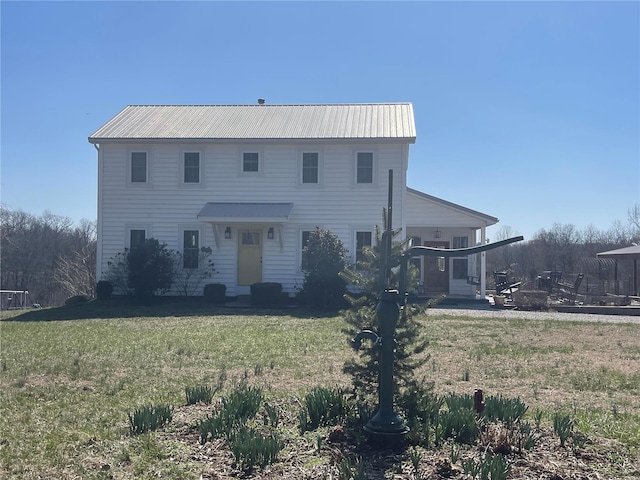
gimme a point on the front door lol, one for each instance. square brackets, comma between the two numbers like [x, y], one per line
[249, 257]
[436, 270]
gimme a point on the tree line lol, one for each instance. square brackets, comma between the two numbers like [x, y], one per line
[48, 255]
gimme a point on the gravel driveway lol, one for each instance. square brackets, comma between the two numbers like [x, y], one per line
[492, 312]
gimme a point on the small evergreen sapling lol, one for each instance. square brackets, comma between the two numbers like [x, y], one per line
[411, 342]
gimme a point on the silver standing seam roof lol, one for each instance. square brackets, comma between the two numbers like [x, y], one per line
[260, 122]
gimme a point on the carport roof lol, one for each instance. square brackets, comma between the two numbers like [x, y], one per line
[627, 252]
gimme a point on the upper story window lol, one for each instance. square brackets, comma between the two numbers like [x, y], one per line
[191, 249]
[310, 167]
[364, 167]
[138, 167]
[363, 239]
[191, 172]
[251, 162]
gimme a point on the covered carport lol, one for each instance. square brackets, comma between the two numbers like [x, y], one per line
[626, 253]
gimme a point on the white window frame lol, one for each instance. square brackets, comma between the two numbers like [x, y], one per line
[301, 169]
[465, 262]
[260, 161]
[356, 231]
[129, 228]
[201, 238]
[197, 248]
[147, 166]
[374, 168]
[460, 242]
[183, 154]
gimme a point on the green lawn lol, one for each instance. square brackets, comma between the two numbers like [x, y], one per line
[70, 376]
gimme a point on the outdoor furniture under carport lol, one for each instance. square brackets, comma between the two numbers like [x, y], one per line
[626, 253]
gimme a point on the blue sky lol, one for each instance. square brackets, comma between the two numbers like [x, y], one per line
[526, 111]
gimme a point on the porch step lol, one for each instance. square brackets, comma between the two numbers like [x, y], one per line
[243, 299]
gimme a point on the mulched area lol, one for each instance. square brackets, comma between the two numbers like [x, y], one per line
[317, 455]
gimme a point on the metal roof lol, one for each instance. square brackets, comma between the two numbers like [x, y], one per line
[244, 122]
[627, 252]
[245, 212]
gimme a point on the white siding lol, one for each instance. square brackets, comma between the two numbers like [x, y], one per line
[422, 212]
[338, 203]
[424, 215]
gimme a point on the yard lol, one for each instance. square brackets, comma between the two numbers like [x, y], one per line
[71, 377]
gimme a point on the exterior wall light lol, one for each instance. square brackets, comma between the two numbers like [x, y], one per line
[227, 233]
[270, 233]
[437, 233]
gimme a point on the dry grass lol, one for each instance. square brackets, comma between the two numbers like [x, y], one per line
[548, 363]
[68, 385]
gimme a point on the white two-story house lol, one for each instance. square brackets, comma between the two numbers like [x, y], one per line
[251, 181]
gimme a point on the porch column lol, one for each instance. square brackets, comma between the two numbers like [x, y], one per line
[483, 263]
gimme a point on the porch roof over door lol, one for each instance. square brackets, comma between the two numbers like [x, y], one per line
[244, 213]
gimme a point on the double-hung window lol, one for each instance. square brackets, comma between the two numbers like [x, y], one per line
[191, 172]
[306, 234]
[460, 266]
[251, 162]
[138, 167]
[137, 237]
[310, 167]
[191, 249]
[363, 240]
[364, 167]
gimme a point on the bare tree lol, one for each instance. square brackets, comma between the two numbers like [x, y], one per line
[188, 281]
[37, 250]
[75, 273]
[634, 223]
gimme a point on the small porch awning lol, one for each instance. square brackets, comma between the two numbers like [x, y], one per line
[245, 213]
[220, 214]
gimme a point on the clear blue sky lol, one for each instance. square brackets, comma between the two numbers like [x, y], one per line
[527, 111]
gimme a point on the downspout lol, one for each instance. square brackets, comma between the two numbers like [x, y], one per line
[99, 215]
[403, 191]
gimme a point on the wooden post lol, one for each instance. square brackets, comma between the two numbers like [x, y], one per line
[478, 401]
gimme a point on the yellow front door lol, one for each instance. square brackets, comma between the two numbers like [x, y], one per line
[249, 257]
